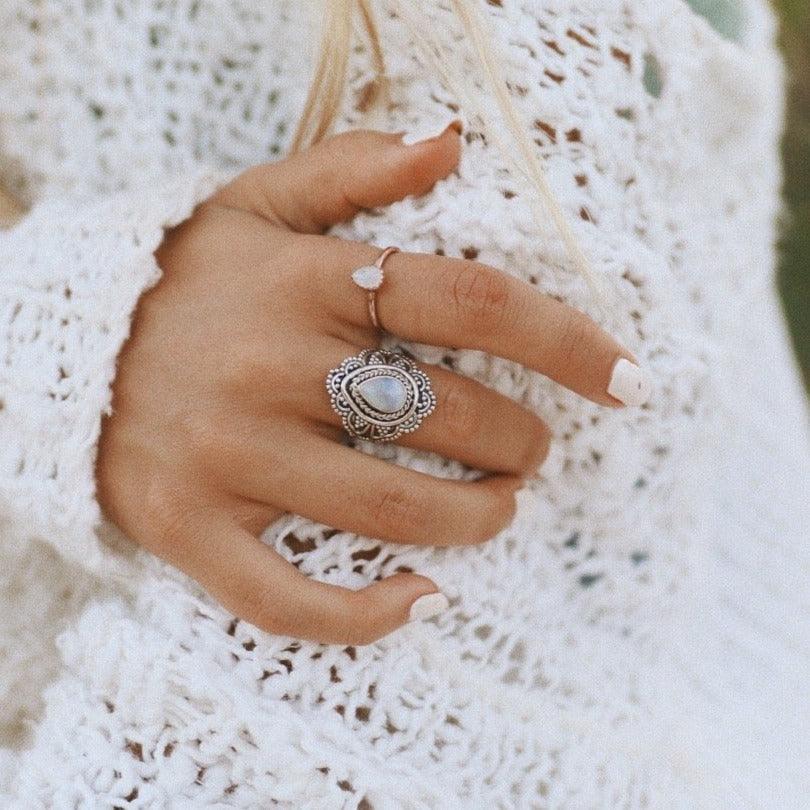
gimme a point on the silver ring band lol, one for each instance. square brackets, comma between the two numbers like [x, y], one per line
[380, 395]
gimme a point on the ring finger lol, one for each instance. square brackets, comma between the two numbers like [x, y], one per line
[465, 304]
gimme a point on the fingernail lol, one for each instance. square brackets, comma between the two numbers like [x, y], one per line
[431, 604]
[629, 384]
[430, 130]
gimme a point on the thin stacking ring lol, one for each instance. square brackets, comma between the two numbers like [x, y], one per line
[379, 395]
[370, 278]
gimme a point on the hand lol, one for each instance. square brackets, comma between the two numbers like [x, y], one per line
[221, 421]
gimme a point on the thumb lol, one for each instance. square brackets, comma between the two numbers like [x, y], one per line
[340, 176]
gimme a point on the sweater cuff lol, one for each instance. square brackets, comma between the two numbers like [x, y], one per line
[71, 274]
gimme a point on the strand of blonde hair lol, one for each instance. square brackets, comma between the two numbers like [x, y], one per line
[321, 108]
[329, 79]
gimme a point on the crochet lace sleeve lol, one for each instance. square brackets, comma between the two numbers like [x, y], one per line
[71, 273]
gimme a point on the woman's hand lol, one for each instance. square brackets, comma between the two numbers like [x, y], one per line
[221, 420]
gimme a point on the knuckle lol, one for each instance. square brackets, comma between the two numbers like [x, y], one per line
[236, 378]
[252, 191]
[252, 364]
[167, 517]
[479, 295]
[461, 414]
[396, 512]
[260, 606]
[358, 627]
[577, 333]
[197, 430]
[496, 516]
[209, 209]
[335, 153]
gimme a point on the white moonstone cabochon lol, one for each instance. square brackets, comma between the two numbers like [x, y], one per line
[384, 394]
[369, 278]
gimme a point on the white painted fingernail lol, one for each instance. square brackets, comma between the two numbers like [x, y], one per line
[430, 130]
[431, 604]
[629, 383]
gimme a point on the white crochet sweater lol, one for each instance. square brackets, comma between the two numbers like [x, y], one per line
[639, 638]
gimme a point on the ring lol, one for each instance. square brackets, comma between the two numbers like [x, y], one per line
[379, 395]
[370, 278]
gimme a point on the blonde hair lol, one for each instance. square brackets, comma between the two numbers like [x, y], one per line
[329, 82]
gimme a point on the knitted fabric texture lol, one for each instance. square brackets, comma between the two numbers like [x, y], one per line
[638, 638]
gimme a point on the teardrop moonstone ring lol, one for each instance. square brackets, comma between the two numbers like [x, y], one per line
[379, 395]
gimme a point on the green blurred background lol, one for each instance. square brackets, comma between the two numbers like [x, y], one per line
[794, 275]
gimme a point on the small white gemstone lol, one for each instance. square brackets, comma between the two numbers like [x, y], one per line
[385, 394]
[369, 278]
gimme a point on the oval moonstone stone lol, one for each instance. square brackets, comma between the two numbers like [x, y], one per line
[384, 394]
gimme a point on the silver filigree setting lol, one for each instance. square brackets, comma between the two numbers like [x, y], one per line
[380, 395]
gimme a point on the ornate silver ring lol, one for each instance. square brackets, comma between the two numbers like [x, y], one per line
[379, 395]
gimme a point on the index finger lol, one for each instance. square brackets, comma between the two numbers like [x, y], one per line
[466, 304]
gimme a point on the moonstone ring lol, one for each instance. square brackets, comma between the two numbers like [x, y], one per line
[379, 395]
[370, 278]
